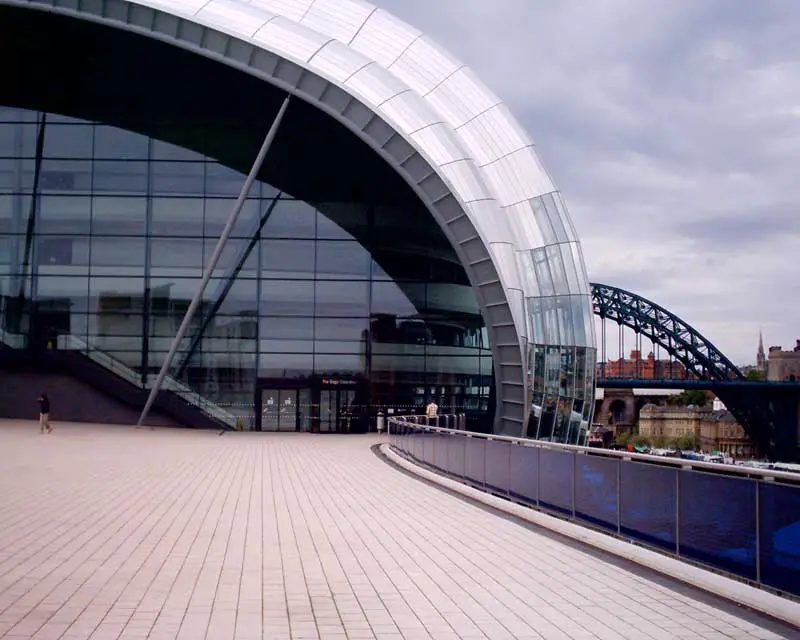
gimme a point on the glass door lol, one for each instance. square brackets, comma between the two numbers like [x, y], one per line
[327, 411]
[285, 409]
[270, 409]
[335, 410]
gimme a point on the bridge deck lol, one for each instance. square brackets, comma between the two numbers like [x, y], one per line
[111, 532]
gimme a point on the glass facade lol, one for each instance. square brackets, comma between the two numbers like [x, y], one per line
[319, 310]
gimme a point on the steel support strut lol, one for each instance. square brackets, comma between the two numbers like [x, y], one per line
[212, 263]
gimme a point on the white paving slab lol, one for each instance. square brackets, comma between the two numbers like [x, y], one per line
[113, 532]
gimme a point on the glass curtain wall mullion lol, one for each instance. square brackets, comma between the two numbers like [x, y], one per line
[30, 223]
[148, 252]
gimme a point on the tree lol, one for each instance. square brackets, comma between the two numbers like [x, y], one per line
[622, 438]
[691, 397]
[659, 442]
[684, 443]
[754, 374]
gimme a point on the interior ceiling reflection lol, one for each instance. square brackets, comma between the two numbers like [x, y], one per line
[314, 158]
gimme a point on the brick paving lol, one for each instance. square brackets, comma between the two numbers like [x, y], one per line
[114, 532]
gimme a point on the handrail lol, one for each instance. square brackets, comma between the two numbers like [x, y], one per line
[13, 340]
[610, 453]
[738, 520]
[69, 342]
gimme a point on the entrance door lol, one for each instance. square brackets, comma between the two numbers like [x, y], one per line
[335, 410]
[285, 409]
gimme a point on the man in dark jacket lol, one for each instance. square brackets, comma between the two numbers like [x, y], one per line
[44, 413]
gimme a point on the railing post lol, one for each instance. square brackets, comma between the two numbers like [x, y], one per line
[574, 479]
[678, 512]
[619, 497]
[538, 474]
[758, 530]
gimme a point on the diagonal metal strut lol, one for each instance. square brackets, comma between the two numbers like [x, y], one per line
[212, 263]
[226, 287]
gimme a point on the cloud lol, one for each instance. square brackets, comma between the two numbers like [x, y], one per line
[673, 131]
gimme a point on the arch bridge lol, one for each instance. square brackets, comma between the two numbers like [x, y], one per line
[768, 411]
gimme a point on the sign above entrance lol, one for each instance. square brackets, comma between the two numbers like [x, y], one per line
[338, 382]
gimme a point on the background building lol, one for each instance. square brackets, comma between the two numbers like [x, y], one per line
[705, 428]
[401, 241]
[784, 365]
[638, 368]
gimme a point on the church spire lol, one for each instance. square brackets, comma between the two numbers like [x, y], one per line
[761, 359]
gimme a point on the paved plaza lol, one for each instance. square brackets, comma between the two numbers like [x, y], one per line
[115, 532]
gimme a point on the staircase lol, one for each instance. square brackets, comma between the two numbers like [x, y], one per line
[173, 397]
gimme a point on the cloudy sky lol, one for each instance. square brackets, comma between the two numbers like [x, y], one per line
[673, 129]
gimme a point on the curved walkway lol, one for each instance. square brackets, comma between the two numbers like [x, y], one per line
[113, 532]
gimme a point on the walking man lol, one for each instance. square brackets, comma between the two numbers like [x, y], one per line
[44, 413]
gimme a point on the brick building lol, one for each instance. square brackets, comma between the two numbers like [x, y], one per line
[641, 368]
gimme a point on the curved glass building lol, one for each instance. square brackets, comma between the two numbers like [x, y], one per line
[401, 241]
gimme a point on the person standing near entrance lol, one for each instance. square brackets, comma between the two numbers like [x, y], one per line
[44, 413]
[431, 413]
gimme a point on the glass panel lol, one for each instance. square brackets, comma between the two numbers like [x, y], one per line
[342, 260]
[291, 219]
[222, 181]
[287, 258]
[596, 490]
[779, 507]
[218, 211]
[285, 365]
[18, 140]
[555, 490]
[59, 251]
[327, 411]
[342, 299]
[69, 292]
[718, 521]
[648, 503]
[270, 409]
[177, 216]
[110, 142]
[64, 214]
[178, 178]
[68, 141]
[123, 178]
[113, 252]
[183, 253]
[119, 216]
[304, 410]
[287, 298]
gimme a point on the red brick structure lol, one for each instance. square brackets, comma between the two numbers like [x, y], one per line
[641, 368]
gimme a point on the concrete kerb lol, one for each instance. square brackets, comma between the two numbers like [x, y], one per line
[732, 590]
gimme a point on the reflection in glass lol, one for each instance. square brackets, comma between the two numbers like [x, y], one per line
[356, 304]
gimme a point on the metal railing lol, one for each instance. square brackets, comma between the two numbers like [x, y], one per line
[13, 340]
[68, 342]
[742, 521]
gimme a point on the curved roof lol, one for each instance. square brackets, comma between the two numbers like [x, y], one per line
[463, 141]
[438, 104]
